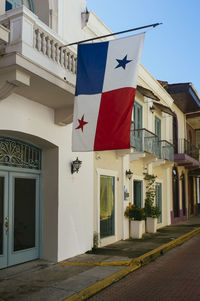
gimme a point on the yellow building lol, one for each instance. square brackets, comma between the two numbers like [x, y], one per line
[186, 125]
[164, 139]
[151, 151]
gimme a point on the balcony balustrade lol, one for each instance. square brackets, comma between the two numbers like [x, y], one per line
[167, 150]
[186, 147]
[187, 154]
[145, 141]
[33, 58]
[50, 47]
[27, 30]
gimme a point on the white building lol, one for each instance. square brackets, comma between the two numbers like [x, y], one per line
[45, 210]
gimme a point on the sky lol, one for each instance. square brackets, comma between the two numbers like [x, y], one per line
[172, 50]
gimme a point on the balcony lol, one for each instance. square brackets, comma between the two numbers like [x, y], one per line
[188, 155]
[147, 144]
[145, 141]
[33, 64]
[167, 150]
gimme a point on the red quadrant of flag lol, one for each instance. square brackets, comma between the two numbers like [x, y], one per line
[114, 120]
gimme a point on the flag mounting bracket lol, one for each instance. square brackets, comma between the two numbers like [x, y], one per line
[111, 34]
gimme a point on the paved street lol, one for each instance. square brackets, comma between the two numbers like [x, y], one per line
[85, 274]
[172, 277]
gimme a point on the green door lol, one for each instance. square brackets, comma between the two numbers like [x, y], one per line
[137, 115]
[157, 144]
[137, 126]
[159, 199]
[107, 206]
[3, 219]
[19, 218]
[137, 193]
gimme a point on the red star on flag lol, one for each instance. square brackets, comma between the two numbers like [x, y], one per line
[82, 123]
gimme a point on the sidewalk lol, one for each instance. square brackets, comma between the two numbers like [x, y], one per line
[79, 277]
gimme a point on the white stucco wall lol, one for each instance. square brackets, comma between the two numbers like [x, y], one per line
[74, 203]
[69, 19]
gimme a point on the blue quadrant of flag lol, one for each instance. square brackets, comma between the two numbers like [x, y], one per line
[91, 68]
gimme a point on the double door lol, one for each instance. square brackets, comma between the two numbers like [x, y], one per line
[19, 217]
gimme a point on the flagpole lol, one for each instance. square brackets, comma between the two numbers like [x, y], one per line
[111, 34]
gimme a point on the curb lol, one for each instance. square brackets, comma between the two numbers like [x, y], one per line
[102, 263]
[134, 265]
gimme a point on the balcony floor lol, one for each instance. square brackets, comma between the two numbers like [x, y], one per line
[186, 161]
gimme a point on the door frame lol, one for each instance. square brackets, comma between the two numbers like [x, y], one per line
[9, 174]
[110, 173]
[4, 256]
[27, 254]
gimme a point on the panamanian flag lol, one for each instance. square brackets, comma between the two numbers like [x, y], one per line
[105, 91]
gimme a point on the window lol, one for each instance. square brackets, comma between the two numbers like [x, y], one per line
[137, 126]
[11, 4]
[158, 134]
[8, 5]
[158, 127]
[175, 134]
[137, 116]
[137, 193]
[107, 205]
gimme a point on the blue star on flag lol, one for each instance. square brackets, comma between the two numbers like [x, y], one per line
[123, 63]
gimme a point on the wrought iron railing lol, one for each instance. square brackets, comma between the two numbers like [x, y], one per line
[167, 150]
[186, 147]
[145, 141]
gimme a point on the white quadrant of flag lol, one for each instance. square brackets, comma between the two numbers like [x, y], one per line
[129, 49]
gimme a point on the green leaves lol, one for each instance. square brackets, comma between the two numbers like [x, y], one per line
[149, 208]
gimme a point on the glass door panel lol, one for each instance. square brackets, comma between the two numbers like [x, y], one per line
[107, 205]
[137, 122]
[24, 218]
[24, 213]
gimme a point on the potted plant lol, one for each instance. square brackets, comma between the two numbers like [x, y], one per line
[151, 212]
[136, 217]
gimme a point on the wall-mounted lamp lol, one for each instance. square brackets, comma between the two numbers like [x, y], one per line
[75, 165]
[85, 17]
[152, 109]
[129, 174]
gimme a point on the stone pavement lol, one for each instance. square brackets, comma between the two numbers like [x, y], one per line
[80, 277]
[173, 277]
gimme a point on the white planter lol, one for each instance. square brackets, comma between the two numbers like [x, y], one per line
[143, 227]
[137, 229]
[151, 224]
